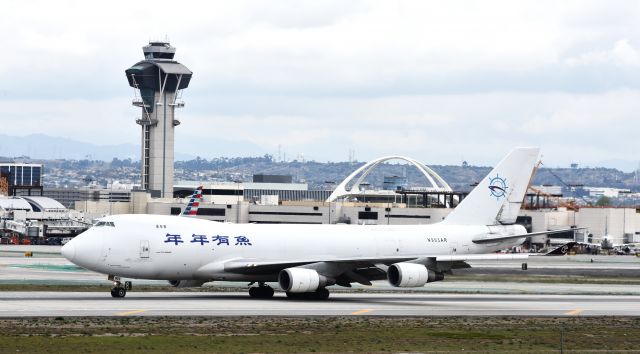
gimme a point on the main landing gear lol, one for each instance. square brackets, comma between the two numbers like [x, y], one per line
[262, 291]
[320, 294]
[118, 290]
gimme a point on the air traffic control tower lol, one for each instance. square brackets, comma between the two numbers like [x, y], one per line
[159, 80]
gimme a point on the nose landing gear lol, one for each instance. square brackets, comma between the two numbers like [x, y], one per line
[118, 290]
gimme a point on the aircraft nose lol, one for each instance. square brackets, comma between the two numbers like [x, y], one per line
[84, 250]
[68, 251]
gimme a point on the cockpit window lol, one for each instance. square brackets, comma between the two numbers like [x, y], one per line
[105, 223]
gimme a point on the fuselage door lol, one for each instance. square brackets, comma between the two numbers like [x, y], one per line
[144, 249]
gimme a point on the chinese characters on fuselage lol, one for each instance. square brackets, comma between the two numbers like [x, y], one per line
[217, 240]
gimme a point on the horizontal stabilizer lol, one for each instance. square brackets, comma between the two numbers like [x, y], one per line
[483, 257]
[511, 237]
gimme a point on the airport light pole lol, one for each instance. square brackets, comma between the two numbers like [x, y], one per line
[624, 213]
[331, 185]
[237, 182]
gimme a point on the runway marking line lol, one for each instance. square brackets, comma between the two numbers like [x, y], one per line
[127, 313]
[574, 312]
[361, 312]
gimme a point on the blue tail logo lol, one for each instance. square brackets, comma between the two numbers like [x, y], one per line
[498, 187]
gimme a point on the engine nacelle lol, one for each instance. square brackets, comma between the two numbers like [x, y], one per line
[300, 280]
[186, 283]
[411, 275]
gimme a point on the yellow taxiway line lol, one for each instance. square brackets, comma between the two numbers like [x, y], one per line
[127, 313]
[361, 312]
[574, 312]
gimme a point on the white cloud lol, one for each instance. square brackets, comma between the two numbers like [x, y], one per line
[434, 80]
[480, 127]
[621, 54]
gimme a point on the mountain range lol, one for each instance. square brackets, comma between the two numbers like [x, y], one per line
[41, 146]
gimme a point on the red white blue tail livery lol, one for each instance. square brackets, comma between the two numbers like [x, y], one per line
[194, 203]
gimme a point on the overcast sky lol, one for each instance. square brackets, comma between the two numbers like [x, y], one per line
[439, 81]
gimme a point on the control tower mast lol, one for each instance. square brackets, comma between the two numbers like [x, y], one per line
[160, 81]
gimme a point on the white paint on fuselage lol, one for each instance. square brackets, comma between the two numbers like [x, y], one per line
[119, 249]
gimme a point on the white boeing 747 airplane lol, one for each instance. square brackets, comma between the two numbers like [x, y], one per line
[305, 259]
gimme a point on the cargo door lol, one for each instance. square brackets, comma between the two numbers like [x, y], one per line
[465, 247]
[144, 249]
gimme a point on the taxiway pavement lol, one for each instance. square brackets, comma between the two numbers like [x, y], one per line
[18, 304]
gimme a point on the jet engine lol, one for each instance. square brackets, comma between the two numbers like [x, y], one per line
[301, 280]
[186, 283]
[411, 275]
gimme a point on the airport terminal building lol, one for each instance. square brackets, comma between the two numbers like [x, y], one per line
[277, 199]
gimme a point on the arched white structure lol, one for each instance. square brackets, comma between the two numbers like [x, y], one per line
[437, 183]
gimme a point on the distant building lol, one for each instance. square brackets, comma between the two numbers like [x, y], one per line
[37, 218]
[606, 192]
[69, 196]
[18, 176]
[395, 183]
[261, 178]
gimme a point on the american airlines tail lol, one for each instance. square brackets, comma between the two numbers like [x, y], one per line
[498, 197]
[194, 202]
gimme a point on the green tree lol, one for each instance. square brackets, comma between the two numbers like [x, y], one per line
[604, 201]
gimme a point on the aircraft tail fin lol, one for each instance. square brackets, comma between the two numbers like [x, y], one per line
[498, 197]
[194, 203]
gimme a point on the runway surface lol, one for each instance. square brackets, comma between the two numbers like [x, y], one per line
[58, 271]
[448, 298]
[13, 304]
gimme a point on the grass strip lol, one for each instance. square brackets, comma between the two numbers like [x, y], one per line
[319, 334]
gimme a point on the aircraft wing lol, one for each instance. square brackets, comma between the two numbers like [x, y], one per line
[361, 270]
[248, 266]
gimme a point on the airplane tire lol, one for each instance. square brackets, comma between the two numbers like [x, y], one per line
[266, 292]
[118, 292]
[253, 292]
[261, 292]
[322, 294]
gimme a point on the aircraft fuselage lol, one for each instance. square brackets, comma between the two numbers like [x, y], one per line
[179, 248]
